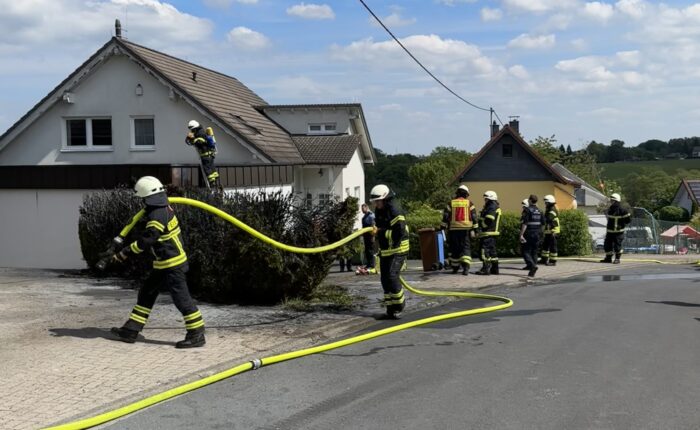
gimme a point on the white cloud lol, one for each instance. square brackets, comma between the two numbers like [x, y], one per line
[579, 44]
[225, 4]
[454, 2]
[598, 11]
[526, 41]
[392, 21]
[390, 107]
[634, 8]
[311, 11]
[245, 38]
[488, 14]
[519, 71]
[446, 56]
[539, 6]
[628, 58]
[150, 22]
[604, 72]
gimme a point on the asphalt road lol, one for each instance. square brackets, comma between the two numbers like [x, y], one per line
[613, 352]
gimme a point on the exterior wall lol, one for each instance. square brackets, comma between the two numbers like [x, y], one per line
[354, 182]
[298, 120]
[110, 92]
[522, 166]
[511, 194]
[39, 229]
[682, 199]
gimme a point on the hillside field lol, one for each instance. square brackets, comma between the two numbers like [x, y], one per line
[619, 170]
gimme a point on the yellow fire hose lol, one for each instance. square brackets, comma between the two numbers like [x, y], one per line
[257, 363]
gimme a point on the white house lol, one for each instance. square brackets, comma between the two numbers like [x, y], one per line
[123, 114]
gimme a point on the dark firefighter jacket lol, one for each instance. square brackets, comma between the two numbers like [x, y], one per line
[392, 232]
[551, 220]
[490, 220]
[161, 236]
[618, 218]
[532, 218]
[202, 142]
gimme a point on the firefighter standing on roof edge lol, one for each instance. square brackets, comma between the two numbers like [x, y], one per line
[489, 230]
[552, 229]
[618, 218]
[163, 239]
[531, 223]
[460, 218]
[205, 143]
[392, 235]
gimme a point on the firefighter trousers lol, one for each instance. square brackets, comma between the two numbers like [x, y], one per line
[460, 248]
[175, 281]
[390, 266]
[613, 244]
[209, 169]
[488, 249]
[549, 247]
[530, 248]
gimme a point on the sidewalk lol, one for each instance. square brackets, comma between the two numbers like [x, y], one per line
[58, 362]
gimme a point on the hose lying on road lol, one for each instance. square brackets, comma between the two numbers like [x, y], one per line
[266, 361]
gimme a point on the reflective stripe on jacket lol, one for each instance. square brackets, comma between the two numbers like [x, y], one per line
[551, 221]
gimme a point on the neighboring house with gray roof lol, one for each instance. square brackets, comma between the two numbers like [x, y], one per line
[688, 195]
[123, 114]
[588, 198]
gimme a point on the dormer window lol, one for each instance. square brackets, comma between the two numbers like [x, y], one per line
[323, 128]
[507, 150]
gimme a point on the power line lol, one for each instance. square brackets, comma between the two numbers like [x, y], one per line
[425, 68]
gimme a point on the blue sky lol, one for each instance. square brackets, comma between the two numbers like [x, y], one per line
[597, 70]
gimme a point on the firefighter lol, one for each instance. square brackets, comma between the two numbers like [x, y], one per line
[489, 229]
[531, 223]
[618, 218]
[163, 239]
[206, 147]
[368, 238]
[392, 236]
[459, 218]
[552, 228]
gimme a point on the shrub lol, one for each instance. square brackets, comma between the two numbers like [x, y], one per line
[673, 213]
[226, 264]
[420, 217]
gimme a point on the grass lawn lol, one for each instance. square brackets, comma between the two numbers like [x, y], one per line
[621, 169]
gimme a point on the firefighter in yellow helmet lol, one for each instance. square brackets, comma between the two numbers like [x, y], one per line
[460, 220]
[489, 230]
[552, 228]
[206, 147]
[163, 239]
[392, 236]
[618, 218]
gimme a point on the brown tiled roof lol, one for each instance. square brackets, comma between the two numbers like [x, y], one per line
[225, 98]
[311, 106]
[332, 149]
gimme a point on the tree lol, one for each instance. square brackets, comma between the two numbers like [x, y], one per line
[430, 178]
[391, 170]
[568, 150]
[651, 188]
[616, 152]
[561, 149]
[544, 146]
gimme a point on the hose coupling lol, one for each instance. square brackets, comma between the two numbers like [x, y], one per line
[257, 363]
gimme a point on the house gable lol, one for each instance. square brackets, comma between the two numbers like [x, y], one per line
[507, 157]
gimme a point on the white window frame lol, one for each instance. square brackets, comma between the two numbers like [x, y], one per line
[132, 134]
[65, 147]
[323, 129]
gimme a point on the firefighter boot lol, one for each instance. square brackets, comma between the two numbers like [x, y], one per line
[394, 311]
[465, 269]
[494, 268]
[125, 334]
[485, 269]
[193, 339]
[543, 260]
[551, 263]
[455, 269]
[607, 259]
[617, 259]
[531, 273]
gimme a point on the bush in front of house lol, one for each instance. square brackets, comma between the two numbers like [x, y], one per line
[420, 217]
[673, 213]
[227, 265]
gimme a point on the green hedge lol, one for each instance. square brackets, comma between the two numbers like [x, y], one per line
[574, 239]
[226, 264]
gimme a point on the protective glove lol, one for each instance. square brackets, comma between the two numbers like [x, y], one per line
[119, 257]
